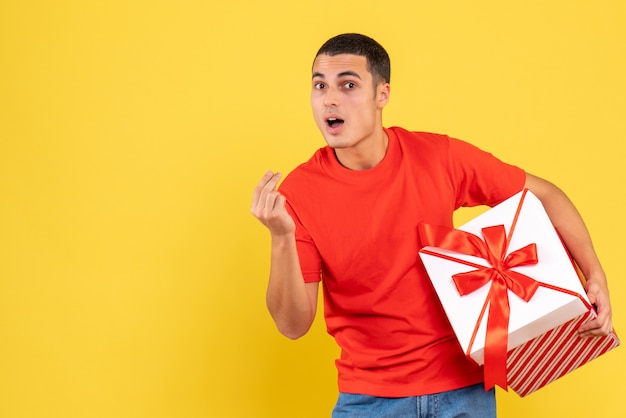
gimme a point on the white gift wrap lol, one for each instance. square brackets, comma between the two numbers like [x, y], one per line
[547, 309]
[543, 344]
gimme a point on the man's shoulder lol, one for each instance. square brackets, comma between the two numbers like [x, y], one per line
[420, 142]
[304, 172]
[407, 135]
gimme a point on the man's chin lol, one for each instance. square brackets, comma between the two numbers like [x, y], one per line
[336, 145]
[335, 141]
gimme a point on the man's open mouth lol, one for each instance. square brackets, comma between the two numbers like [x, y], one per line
[334, 122]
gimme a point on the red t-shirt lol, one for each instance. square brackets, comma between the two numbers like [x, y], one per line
[357, 232]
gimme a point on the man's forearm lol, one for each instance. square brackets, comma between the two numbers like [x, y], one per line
[571, 227]
[291, 302]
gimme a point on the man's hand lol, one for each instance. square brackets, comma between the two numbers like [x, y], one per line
[291, 302]
[268, 206]
[598, 295]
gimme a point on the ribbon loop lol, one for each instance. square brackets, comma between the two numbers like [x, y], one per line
[495, 238]
[523, 256]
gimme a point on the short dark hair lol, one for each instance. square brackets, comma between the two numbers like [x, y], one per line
[378, 63]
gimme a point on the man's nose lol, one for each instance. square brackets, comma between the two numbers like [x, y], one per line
[331, 98]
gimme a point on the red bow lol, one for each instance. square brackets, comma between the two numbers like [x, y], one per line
[502, 278]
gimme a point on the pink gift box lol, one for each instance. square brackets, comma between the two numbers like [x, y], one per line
[512, 264]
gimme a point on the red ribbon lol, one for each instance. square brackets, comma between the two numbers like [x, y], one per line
[493, 250]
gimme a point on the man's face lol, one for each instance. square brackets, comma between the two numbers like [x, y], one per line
[346, 106]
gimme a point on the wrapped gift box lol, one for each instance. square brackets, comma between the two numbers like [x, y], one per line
[512, 294]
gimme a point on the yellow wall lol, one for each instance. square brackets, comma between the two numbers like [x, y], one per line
[132, 275]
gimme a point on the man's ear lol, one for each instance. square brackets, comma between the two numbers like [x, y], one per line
[382, 94]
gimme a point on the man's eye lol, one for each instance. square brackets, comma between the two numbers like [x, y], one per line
[349, 85]
[319, 86]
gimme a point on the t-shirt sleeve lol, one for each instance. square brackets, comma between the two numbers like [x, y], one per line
[308, 255]
[480, 178]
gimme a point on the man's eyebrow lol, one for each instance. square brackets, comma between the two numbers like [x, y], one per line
[340, 75]
[349, 74]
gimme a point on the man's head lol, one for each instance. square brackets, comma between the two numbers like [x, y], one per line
[349, 90]
[378, 63]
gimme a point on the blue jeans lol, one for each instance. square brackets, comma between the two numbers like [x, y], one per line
[469, 402]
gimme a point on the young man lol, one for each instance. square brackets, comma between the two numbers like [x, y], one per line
[348, 218]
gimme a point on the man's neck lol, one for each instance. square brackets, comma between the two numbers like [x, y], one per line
[365, 155]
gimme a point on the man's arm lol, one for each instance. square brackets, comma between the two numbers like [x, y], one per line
[571, 227]
[291, 302]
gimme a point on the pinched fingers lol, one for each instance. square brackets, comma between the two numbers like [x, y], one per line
[267, 184]
[268, 205]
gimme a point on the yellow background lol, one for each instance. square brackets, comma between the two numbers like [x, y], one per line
[132, 276]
